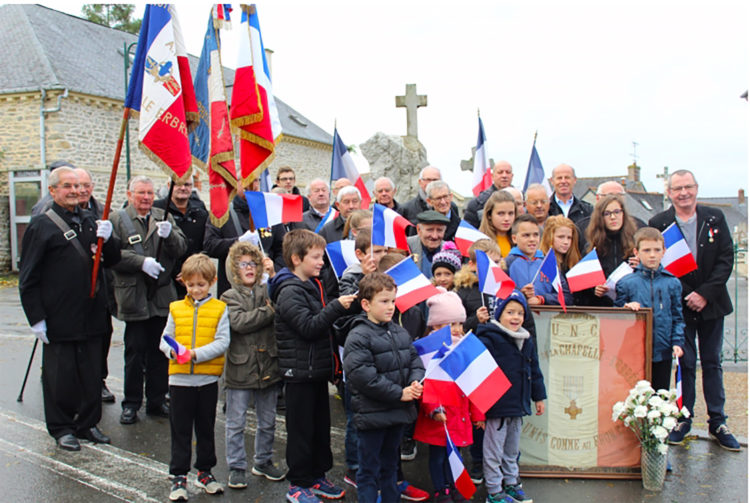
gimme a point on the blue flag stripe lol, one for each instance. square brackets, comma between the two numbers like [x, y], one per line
[456, 362]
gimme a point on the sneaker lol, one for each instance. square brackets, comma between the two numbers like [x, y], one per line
[725, 438]
[179, 489]
[515, 493]
[411, 493]
[269, 471]
[299, 494]
[442, 496]
[237, 479]
[351, 477]
[476, 473]
[498, 498]
[677, 435]
[328, 490]
[208, 483]
[408, 449]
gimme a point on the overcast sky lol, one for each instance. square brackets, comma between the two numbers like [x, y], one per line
[590, 77]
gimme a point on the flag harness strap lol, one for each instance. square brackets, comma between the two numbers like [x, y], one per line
[69, 234]
[134, 239]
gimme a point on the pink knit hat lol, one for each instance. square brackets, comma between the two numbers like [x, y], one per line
[445, 307]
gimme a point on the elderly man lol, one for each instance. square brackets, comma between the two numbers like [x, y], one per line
[705, 302]
[440, 197]
[502, 177]
[285, 180]
[564, 202]
[143, 290]
[190, 215]
[418, 204]
[518, 196]
[537, 202]
[337, 186]
[348, 200]
[320, 204]
[54, 286]
[431, 227]
[384, 191]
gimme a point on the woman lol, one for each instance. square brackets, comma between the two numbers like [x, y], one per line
[497, 218]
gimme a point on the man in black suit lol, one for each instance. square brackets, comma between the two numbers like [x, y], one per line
[705, 301]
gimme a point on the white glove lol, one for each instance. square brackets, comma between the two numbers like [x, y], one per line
[103, 229]
[40, 331]
[251, 237]
[163, 229]
[151, 267]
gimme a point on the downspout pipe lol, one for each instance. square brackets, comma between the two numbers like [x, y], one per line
[42, 112]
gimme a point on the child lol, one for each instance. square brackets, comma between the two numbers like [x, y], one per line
[478, 306]
[252, 368]
[307, 361]
[514, 350]
[561, 235]
[497, 219]
[383, 372]
[652, 286]
[445, 263]
[200, 323]
[446, 309]
[369, 257]
[524, 259]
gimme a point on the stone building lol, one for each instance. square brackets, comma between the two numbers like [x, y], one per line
[61, 97]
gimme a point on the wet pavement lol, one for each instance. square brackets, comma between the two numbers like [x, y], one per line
[135, 466]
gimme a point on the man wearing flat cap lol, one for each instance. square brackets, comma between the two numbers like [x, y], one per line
[431, 227]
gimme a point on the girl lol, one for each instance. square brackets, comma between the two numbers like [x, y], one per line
[445, 263]
[358, 220]
[561, 235]
[497, 219]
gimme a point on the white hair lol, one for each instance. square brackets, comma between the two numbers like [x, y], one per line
[346, 191]
[390, 182]
[139, 179]
[317, 180]
[421, 173]
[54, 176]
[436, 185]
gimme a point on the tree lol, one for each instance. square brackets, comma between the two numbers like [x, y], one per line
[119, 16]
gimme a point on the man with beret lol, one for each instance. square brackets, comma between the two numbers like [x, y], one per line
[431, 227]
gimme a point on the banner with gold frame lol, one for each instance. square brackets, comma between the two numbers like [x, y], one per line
[590, 358]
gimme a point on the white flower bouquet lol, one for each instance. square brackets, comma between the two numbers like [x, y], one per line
[650, 414]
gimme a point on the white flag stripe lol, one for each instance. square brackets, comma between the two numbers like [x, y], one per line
[585, 267]
[476, 372]
[413, 284]
[155, 98]
[675, 252]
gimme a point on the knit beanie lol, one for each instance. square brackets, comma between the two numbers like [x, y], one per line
[445, 307]
[448, 257]
[514, 295]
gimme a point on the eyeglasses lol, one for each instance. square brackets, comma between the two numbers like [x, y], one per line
[539, 202]
[683, 187]
[246, 265]
[613, 213]
[441, 198]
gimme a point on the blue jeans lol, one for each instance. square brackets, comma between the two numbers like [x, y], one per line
[710, 336]
[351, 440]
[379, 453]
[439, 468]
[265, 411]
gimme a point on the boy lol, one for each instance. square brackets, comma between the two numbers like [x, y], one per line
[652, 286]
[307, 361]
[514, 350]
[524, 258]
[252, 369]
[369, 257]
[200, 323]
[383, 372]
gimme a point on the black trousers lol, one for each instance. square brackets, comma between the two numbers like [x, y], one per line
[71, 384]
[192, 407]
[106, 342]
[142, 352]
[661, 373]
[308, 429]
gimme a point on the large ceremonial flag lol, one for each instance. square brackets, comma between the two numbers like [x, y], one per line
[439, 388]
[550, 273]
[253, 109]
[587, 273]
[677, 259]
[535, 172]
[161, 92]
[221, 14]
[461, 478]
[492, 279]
[475, 372]
[413, 286]
[343, 166]
[467, 235]
[270, 209]
[211, 142]
[341, 255]
[388, 228]
[482, 175]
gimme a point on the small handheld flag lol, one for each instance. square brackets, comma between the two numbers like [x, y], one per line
[439, 387]
[182, 355]
[273, 209]
[549, 273]
[341, 255]
[678, 382]
[622, 270]
[461, 477]
[587, 273]
[432, 346]
[677, 258]
[412, 286]
[492, 279]
[388, 228]
[467, 235]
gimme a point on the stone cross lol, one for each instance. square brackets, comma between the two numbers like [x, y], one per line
[411, 101]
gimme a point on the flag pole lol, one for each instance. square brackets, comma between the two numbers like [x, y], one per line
[108, 202]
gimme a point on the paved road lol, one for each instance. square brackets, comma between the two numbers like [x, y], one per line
[135, 466]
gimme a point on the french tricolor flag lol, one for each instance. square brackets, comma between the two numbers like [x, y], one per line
[492, 279]
[549, 273]
[343, 166]
[388, 228]
[482, 175]
[433, 346]
[439, 387]
[475, 372]
[461, 478]
[587, 273]
[269, 209]
[221, 15]
[467, 235]
[182, 355]
[677, 259]
[341, 255]
[413, 286]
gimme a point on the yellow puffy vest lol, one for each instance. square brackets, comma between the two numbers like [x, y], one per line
[196, 327]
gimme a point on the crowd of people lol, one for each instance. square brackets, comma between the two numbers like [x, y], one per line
[282, 325]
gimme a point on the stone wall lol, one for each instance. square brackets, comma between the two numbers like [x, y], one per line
[308, 160]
